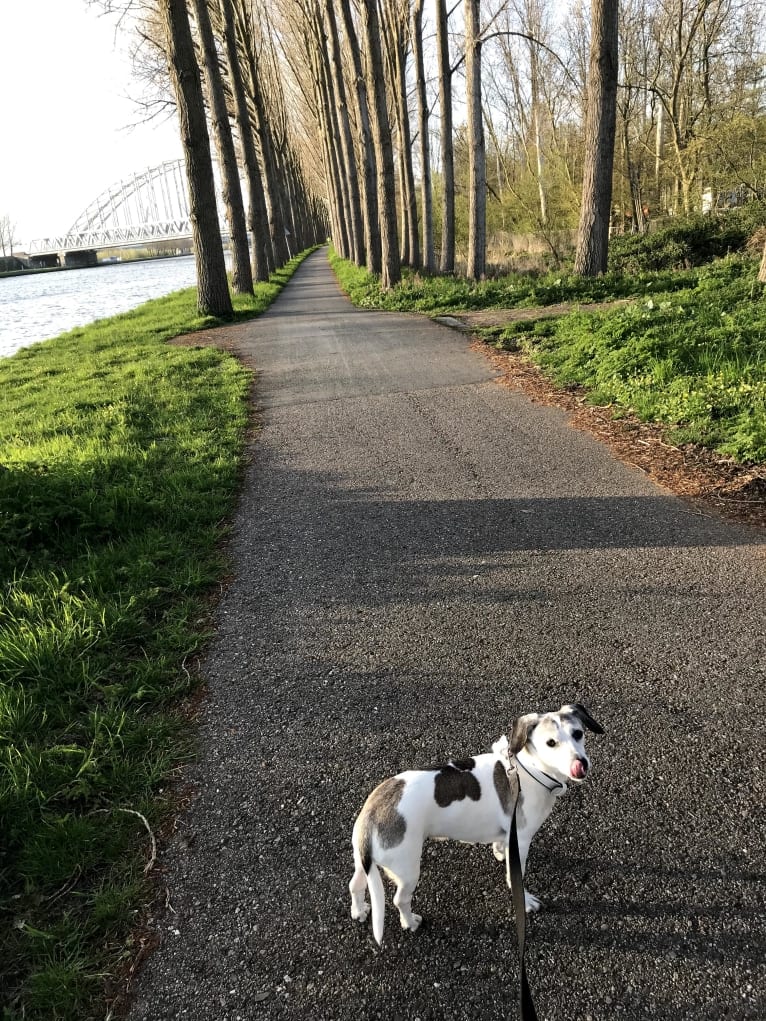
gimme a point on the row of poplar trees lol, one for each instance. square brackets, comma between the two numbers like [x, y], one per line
[350, 57]
[213, 60]
[357, 52]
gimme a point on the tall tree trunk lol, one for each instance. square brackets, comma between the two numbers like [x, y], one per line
[404, 207]
[384, 156]
[537, 141]
[397, 41]
[337, 178]
[426, 195]
[600, 125]
[762, 268]
[447, 260]
[259, 120]
[213, 297]
[346, 139]
[242, 274]
[263, 256]
[369, 198]
[477, 155]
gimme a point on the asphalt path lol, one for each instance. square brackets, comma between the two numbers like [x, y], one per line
[419, 556]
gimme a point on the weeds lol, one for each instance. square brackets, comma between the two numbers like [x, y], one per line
[119, 463]
[694, 360]
[438, 295]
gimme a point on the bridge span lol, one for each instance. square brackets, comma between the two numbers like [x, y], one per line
[148, 207]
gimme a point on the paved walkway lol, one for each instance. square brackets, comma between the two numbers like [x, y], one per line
[419, 556]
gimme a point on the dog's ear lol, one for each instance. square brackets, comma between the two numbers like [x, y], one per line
[522, 728]
[578, 709]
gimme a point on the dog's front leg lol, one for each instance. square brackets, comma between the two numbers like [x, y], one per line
[531, 903]
[500, 850]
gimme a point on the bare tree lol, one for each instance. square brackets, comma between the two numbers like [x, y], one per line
[213, 297]
[447, 259]
[426, 195]
[366, 146]
[477, 157]
[346, 140]
[397, 37]
[595, 213]
[242, 276]
[263, 255]
[384, 156]
[7, 235]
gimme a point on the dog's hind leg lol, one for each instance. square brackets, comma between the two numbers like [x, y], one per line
[357, 887]
[405, 887]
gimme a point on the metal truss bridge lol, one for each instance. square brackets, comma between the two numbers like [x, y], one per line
[151, 206]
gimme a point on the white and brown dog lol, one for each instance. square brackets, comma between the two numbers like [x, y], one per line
[467, 800]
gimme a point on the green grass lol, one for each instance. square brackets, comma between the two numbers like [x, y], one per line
[120, 459]
[689, 352]
[694, 360]
[439, 295]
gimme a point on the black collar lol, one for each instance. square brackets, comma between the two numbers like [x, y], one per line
[557, 784]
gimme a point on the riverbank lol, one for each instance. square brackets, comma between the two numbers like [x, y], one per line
[37, 306]
[34, 270]
[121, 459]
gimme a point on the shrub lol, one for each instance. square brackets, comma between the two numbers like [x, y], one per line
[688, 242]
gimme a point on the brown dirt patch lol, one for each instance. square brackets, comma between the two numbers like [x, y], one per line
[226, 337]
[712, 483]
[503, 316]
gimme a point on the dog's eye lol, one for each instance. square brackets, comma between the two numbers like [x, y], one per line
[551, 742]
[577, 735]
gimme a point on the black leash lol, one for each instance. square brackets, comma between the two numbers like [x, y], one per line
[527, 1010]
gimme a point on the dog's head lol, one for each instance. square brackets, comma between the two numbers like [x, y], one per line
[556, 740]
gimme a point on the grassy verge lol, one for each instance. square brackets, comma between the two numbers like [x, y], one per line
[119, 464]
[690, 352]
[439, 295]
[694, 360]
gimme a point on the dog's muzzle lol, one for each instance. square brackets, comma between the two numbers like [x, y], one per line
[578, 769]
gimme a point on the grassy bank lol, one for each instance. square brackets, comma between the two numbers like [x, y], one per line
[689, 352]
[119, 464]
[440, 295]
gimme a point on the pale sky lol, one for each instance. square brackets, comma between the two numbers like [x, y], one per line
[65, 114]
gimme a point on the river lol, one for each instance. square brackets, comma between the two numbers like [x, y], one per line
[36, 306]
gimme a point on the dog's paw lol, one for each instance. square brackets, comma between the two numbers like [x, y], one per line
[360, 914]
[412, 923]
[531, 903]
[498, 850]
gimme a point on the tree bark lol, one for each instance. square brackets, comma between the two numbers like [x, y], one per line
[397, 44]
[447, 259]
[346, 139]
[369, 198]
[762, 268]
[263, 256]
[213, 297]
[600, 125]
[426, 195]
[242, 274]
[477, 155]
[381, 132]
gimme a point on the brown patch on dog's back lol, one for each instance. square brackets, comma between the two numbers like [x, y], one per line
[502, 786]
[390, 825]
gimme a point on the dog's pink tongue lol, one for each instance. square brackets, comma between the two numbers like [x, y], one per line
[577, 769]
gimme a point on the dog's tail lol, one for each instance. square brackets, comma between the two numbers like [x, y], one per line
[363, 840]
[377, 901]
